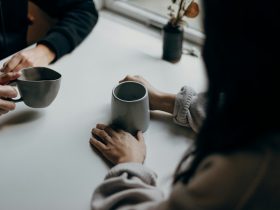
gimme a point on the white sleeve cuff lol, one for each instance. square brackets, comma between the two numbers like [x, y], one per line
[134, 169]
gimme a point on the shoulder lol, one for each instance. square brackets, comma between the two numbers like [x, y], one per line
[220, 181]
[229, 164]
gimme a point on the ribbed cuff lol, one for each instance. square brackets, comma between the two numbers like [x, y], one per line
[134, 169]
[183, 101]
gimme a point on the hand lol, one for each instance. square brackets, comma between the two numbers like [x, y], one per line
[153, 93]
[6, 78]
[118, 146]
[158, 100]
[37, 56]
[7, 92]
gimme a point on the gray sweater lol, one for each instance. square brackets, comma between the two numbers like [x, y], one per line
[243, 180]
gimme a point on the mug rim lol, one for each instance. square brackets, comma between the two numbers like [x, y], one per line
[43, 68]
[131, 101]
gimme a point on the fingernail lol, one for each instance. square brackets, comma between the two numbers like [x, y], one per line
[91, 141]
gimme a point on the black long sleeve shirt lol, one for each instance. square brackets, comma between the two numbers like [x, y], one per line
[76, 19]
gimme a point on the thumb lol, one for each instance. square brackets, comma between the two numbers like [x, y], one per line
[126, 78]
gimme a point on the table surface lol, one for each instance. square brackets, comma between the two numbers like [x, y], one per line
[46, 161]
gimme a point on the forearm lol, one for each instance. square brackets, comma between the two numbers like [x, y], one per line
[163, 102]
[49, 55]
[188, 107]
[76, 19]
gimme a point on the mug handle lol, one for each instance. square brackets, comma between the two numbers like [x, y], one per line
[14, 100]
[13, 83]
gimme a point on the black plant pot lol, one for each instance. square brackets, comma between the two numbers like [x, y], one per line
[172, 43]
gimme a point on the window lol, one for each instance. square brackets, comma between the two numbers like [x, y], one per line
[154, 12]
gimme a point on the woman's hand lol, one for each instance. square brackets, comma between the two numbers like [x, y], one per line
[158, 100]
[40, 55]
[118, 146]
[154, 94]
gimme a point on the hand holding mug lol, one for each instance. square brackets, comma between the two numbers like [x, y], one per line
[158, 100]
[40, 55]
[7, 91]
[130, 107]
[38, 86]
[153, 93]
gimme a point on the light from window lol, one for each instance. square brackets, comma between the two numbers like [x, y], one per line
[159, 7]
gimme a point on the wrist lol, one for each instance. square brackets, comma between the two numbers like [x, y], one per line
[49, 54]
[155, 100]
[163, 102]
[130, 160]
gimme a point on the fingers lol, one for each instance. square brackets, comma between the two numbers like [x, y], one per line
[12, 63]
[107, 129]
[97, 144]
[121, 148]
[7, 77]
[16, 63]
[124, 79]
[22, 65]
[2, 111]
[7, 91]
[101, 126]
[6, 106]
[131, 78]
[104, 137]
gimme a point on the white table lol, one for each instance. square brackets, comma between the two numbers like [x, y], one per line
[45, 158]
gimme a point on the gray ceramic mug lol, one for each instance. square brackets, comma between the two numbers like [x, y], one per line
[130, 107]
[38, 86]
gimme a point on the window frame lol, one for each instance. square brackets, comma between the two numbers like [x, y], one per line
[150, 18]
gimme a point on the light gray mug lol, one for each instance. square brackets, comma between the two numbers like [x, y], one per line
[38, 86]
[130, 107]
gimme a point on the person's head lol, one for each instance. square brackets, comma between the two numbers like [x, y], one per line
[241, 57]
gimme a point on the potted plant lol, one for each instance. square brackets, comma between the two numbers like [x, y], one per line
[174, 29]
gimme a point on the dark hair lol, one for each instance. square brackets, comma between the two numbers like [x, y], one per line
[241, 53]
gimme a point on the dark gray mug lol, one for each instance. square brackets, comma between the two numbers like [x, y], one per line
[38, 86]
[130, 107]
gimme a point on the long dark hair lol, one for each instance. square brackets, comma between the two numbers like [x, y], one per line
[242, 58]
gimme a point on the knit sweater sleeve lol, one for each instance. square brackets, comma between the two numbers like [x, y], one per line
[125, 185]
[219, 182]
[76, 19]
[190, 108]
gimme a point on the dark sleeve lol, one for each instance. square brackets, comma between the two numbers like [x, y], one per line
[76, 19]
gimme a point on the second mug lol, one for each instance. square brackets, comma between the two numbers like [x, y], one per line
[130, 107]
